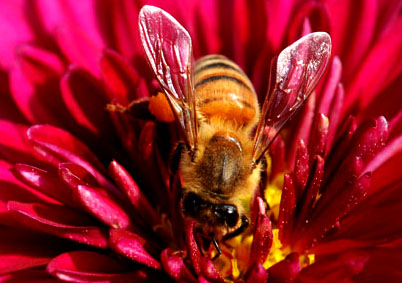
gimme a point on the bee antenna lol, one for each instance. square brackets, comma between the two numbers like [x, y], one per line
[218, 249]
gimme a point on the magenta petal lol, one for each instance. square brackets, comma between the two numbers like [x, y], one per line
[329, 92]
[285, 270]
[119, 76]
[334, 116]
[58, 145]
[393, 148]
[8, 109]
[29, 276]
[319, 135]
[35, 90]
[127, 184]
[155, 186]
[47, 16]
[378, 68]
[363, 16]
[102, 205]
[86, 100]
[24, 249]
[339, 268]
[373, 140]
[45, 182]
[387, 104]
[174, 265]
[337, 156]
[226, 22]
[256, 274]
[262, 240]
[310, 192]
[79, 48]
[337, 246]
[210, 272]
[131, 246]
[14, 145]
[23, 93]
[278, 14]
[391, 162]
[286, 209]
[383, 265]
[119, 22]
[302, 131]
[326, 215]
[85, 266]
[59, 221]
[365, 143]
[14, 29]
[39, 65]
[388, 13]
[75, 175]
[202, 279]
[301, 168]
[207, 33]
[10, 263]
[192, 247]
[14, 190]
[376, 220]
[142, 150]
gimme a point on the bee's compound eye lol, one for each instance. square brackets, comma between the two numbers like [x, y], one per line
[192, 204]
[227, 213]
[231, 216]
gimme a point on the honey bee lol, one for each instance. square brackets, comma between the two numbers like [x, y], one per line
[215, 106]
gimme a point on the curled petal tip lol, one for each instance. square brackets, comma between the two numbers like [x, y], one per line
[174, 265]
[285, 270]
[131, 246]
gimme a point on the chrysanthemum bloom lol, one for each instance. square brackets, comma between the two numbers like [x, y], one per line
[86, 195]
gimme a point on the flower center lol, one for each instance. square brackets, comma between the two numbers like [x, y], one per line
[242, 244]
[277, 252]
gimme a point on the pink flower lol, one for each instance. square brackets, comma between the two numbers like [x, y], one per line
[86, 195]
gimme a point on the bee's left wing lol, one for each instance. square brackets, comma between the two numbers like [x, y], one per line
[169, 52]
[299, 67]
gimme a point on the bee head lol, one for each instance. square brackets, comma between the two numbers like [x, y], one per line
[197, 208]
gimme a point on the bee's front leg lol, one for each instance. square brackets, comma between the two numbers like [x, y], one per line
[138, 108]
[218, 249]
[238, 231]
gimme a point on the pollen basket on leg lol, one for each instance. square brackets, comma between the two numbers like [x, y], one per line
[160, 108]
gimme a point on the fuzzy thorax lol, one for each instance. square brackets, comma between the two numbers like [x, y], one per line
[220, 173]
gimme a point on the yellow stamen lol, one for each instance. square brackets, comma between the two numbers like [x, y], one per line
[311, 258]
[306, 260]
[273, 194]
[235, 269]
[241, 253]
[277, 252]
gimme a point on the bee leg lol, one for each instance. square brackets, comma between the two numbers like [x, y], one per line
[218, 249]
[238, 231]
[137, 108]
[175, 156]
[115, 107]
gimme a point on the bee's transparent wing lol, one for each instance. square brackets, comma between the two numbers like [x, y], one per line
[299, 67]
[169, 52]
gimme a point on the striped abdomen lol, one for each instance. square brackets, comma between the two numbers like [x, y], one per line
[223, 90]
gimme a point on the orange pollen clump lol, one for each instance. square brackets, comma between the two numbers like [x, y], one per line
[160, 108]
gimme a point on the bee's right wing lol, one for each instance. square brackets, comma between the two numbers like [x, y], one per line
[299, 67]
[169, 52]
